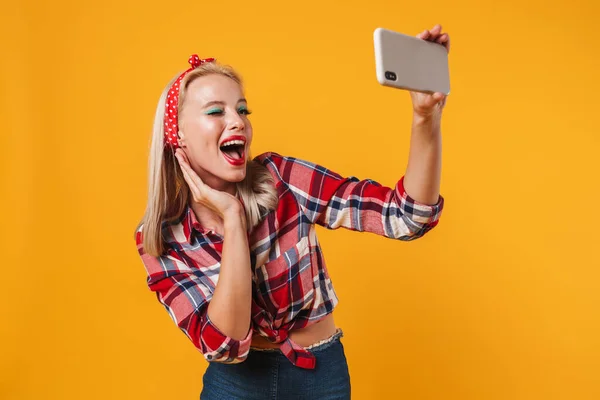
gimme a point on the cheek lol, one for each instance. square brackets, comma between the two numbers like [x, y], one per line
[248, 128]
[206, 130]
[210, 125]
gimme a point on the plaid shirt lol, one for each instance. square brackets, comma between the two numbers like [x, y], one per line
[290, 283]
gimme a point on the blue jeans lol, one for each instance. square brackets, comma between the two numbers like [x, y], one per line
[268, 375]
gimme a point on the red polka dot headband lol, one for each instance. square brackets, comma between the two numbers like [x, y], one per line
[171, 126]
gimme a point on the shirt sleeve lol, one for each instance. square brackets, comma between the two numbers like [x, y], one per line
[185, 293]
[331, 200]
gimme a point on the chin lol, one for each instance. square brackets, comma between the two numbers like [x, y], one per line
[237, 176]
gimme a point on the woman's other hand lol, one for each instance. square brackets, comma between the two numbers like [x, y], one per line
[220, 202]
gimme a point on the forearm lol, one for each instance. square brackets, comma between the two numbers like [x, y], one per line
[423, 173]
[230, 306]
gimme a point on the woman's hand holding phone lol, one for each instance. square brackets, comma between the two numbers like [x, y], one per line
[428, 105]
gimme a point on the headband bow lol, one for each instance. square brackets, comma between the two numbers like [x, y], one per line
[170, 123]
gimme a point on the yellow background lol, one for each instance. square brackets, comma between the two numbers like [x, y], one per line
[500, 301]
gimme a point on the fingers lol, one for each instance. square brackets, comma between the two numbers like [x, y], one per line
[431, 102]
[436, 35]
[436, 99]
[444, 40]
[192, 179]
[181, 158]
[435, 32]
[188, 179]
[430, 34]
[201, 192]
[183, 155]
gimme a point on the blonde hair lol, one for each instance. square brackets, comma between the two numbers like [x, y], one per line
[168, 193]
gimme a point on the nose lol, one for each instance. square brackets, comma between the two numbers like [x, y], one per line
[235, 122]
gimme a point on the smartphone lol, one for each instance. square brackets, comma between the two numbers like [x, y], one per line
[407, 62]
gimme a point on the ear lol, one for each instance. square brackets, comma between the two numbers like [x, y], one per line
[181, 139]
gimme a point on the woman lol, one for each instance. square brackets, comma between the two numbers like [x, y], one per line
[229, 243]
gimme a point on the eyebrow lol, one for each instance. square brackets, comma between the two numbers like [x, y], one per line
[210, 103]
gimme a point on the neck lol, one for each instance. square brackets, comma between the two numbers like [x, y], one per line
[219, 184]
[207, 218]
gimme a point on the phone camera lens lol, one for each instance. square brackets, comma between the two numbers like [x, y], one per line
[390, 75]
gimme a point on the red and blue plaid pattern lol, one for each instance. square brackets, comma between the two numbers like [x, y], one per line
[291, 286]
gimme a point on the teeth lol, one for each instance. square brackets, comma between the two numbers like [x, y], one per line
[233, 142]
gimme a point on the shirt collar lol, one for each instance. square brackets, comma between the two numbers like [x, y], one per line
[190, 223]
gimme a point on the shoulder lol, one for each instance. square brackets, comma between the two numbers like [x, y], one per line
[288, 168]
[297, 171]
[269, 158]
[138, 233]
[280, 166]
[279, 160]
[173, 234]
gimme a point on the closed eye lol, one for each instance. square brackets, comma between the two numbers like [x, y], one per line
[214, 111]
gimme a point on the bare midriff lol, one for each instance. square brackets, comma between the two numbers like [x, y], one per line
[304, 337]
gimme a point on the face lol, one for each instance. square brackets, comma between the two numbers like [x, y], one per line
[213, 113]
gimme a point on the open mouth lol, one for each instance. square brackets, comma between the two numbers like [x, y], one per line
[234, 152]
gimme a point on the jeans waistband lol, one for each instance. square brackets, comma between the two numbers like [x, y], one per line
[338, 334]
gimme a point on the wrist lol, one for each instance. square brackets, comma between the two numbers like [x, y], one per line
[234, 218]
[426, 123]
[421, 119]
